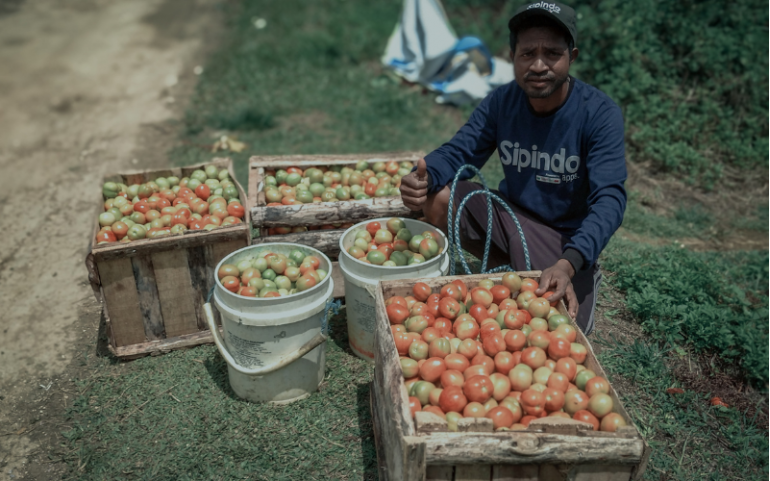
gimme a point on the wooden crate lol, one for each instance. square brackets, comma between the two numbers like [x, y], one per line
[552, 449]
[327, 241]
[153, 290]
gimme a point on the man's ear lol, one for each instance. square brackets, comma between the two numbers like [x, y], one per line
[510, 55]
[575, 53]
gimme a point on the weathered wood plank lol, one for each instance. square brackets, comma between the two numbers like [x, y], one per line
[601, 473]
[304, 161]
[339, 280]
[329, 212]
[175, 290]
[149, 301]
[508, 472]
[426, 422]
[530, 448]
[134, 351]
[550, 472]
[326, 241]
[439, 473]
[119, 288]
[473, 472]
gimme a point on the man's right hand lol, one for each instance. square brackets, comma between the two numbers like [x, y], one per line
[414, 187]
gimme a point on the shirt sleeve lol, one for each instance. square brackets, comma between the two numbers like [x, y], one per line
[606, 170]
[473, 144]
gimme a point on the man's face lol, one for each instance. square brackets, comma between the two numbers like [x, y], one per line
[541, 61]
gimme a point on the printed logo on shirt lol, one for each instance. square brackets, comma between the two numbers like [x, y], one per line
[551, 7]
[556, 163]
[548, 179]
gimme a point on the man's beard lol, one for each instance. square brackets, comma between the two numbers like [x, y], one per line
[547, 92]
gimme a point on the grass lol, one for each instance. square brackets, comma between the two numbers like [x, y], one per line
[689, 438]
[175, 417]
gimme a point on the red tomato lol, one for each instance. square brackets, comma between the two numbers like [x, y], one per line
[457, 362]
[452, 399]
[532, 402]
[443, 325]
[478, 389]
[236, 210]
[575, 401]
[449, 307]
[231, 283]
[435, 410]
[504, 362]
[501, 417]
[597, 385]
[474, 410]
[502, 386]
[439, 348]
[481, 296]
[612, 422]
[454, 291]
[539, 339]
[558, 381]
[586, 417]
[373, 227]
[477, 370]
[414, 405]
[403, 341]
[567, 366]
[494, 344]
[397, 313]
[515, 340]
[451, 377]
[462, 286]
[105, 236]
[398, 300]
[533, 357]
[528, 284]
[420, 290]
[500, 293]
[482, 359]
[554, 399]
[559, 348]
[432, 369]
[430, 334]
[468, 348]
[478, 312]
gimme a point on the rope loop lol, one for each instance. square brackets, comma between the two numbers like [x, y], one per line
[453, 225]
[332, 305]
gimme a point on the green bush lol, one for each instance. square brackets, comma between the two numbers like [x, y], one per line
[715, 302]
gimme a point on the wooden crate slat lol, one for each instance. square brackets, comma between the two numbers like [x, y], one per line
[201, 282]
[326, 241]
[439, 473]
[149, 300]
[172, 275]
[472, 472]
[601, 473]
[328, 212]
[512, 472]
[551, 472]
[283, 161]
[163, 345]
[119, 288]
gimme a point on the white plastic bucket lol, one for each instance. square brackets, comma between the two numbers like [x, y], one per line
[361, 282]
[274, 347]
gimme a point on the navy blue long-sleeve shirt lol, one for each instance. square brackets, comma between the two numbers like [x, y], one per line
[566, 169]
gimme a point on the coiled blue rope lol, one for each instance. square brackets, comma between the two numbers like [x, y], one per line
[332, 305]
[453, 228]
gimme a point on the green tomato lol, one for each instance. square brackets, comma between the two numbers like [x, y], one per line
[362, 165]
[297, 256]
[305, 196]
[404, 234]
[283, 282]
[389, 263]
[315, 175]
[173, 180]
[269, 274]
[269, 283]
[293, 179]
[365, 235]
[110, 190]
[179, 229]
[136, 231]
[211, 172]
[270, 180]
[243, 265]
[198, 175]
[362, 196]
[260, 264]
[342, 193]
[376, 257]
[382, 192]
[361, 244]
[329, 197]
[429, 248]
[263, 292]
[414, 243]
[257, 283]
[317, 189]
[107, 218]
[116, 212]
[398, 258]
[230, 192]
[223, 175]
[162, 183]
[132, 191]
[193, 184]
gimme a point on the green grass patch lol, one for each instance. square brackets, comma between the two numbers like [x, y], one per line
[712, 301]
[689, 438]
[175, 417]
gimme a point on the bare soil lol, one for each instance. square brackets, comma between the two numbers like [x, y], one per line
[87, 87]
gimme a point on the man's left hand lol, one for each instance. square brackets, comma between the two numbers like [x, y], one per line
[558, 278]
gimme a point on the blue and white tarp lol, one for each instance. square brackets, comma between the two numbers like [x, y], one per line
[424, 49]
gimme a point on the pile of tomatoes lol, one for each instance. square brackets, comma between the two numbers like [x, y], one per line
[495, 351]
[335, 183]
[268, 274]
[393, 245]
[168, 205]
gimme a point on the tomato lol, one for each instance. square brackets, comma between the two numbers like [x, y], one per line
[452, 290]
[443, 325]
[435, 410]
[554, 399]
[416, 324]
[468, 348]
[586, 417]
[515, 340]
[418, 350]
[474, 410]
[559, 348]
[478, 388]
[567, 331]
[475, 370]
[502, 386]
[478, 312]
[489, 327]
[611, 422]
[457, 362]
[414, 405]
[582, 378]
[524, 298]
[421, 291]
[463, 288]
[529, 284]
[466, 328]
[430, 334]
[501, 417]
[105, 236]
[494, 343]
[538, 324]
[568, 366]
[558, 381]
[578, 352]
[532, 402]
[248, 291]
[418, 309]
[533, 357]
[236, 210]
[397, 300]
[539, 339]
[521, 377]
[231, 283]
[597, 385]
[452, 399]
[421, 390]
[449, 307]
[403, 341]
[539, 307]
[481, 296]
[397, 313]
[600, 405]
[452, 377]
[575, 401]
[482, 359]
[227, 270]
[504, 362]
[439, 348]
[409, 367]
[432, 369]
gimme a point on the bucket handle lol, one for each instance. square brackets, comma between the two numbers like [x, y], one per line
[316, 341]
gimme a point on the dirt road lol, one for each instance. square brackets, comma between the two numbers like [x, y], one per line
[86, 87]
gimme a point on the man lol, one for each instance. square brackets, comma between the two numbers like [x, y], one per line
[561, 145]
